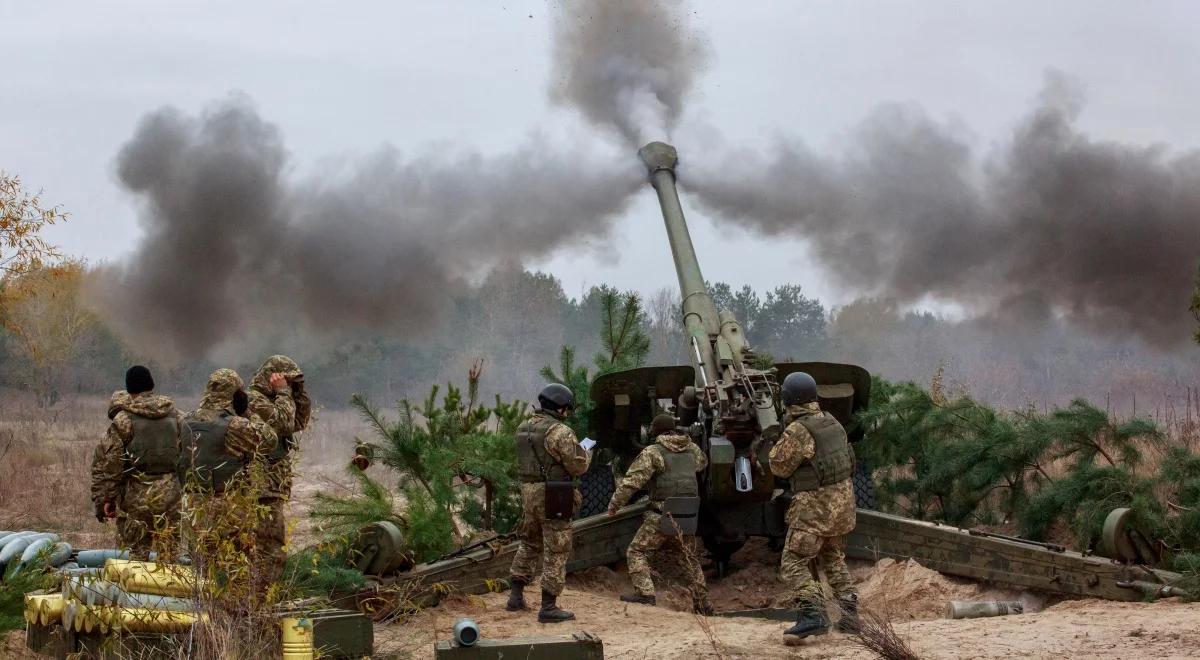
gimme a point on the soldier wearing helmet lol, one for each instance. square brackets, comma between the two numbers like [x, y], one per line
[813, 454]
[668, 467]
[549, 458]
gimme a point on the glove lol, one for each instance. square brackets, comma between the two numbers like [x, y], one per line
[100, 512]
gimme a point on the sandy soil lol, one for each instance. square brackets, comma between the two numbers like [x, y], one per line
[1068, 629]
[911, 596]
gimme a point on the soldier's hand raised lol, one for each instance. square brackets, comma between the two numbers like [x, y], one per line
[277, 382]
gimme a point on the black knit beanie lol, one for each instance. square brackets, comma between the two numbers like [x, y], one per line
[138, 380]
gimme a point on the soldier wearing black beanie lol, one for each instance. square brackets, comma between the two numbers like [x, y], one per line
[138, 380]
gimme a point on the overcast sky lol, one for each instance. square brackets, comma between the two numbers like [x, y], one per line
[343, 78]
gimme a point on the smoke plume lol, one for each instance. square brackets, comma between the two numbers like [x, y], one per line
[627, 64]
[233, 248]
[1053, 224]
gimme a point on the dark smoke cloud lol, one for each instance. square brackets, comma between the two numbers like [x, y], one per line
[234, 249]
[1053, 224]
[627, 64]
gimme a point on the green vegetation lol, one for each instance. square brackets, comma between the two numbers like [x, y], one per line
[456, 470]
[16, 584]
[624, 343]
[1195, 307]
[955, 460]
[320, 571]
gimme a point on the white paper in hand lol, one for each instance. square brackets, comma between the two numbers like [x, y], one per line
[587, 443]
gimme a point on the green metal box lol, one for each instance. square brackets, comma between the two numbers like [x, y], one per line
[577, 646]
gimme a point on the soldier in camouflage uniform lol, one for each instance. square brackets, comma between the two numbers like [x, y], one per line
[669, 468]
[814, 455]
[133, 468]
[547, 452]
[220, 468]
[278, 398]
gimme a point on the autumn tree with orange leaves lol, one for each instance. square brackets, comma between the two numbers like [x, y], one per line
[44, 314]
[23, 216]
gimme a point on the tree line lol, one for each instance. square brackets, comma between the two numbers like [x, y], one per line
[516, 321]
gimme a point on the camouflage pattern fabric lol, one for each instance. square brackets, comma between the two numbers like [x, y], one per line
[246, 438]
[549, 540]
[147, 505]
[684, 551]
[247, 556]
[148, 516]
[650, 463]
[818, 520]
[286, 411]
[221, 544]
[270, 552]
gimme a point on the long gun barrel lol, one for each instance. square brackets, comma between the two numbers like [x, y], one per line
[700, 317]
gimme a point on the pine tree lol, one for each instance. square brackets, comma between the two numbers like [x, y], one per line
[622, 332]
[576, 377]
[455, 463]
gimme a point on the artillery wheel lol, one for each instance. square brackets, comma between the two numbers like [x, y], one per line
[596, 488]
[864, 487]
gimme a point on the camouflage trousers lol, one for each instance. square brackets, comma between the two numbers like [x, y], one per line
[148, 516]
[222, 545]
[549, 540]
[682, 548]
[800, 549]
[269, 542]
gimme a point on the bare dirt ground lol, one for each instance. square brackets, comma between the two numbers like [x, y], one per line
[1065, 630]
[44, 462]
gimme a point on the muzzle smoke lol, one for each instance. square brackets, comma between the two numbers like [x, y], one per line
[1054, 224]
[233, 247]
[627, 65]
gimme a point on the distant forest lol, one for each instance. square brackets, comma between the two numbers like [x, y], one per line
[517, 321]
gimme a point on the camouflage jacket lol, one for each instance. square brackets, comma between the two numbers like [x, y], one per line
[245, 438]
[826, 512]
[650, 463]
[562, 446]
[796, 444]
[286, 411]
[110, 469]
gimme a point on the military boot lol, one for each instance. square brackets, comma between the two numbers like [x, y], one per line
[516, 595]
[810, 620]
[703, 607]
[638, 598]
[551, 612]
[849, 623]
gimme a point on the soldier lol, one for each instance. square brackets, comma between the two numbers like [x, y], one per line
[669, 468]
[219, 445]
[277, 397]
[814, 455]
[549, 458]
[133, 468]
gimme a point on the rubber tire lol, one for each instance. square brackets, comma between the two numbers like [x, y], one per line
[596, 487]
[864, 487]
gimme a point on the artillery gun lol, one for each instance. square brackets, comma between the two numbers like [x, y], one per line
[727, 398]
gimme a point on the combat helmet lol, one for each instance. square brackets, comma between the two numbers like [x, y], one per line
[555, 397]
[799, 388]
